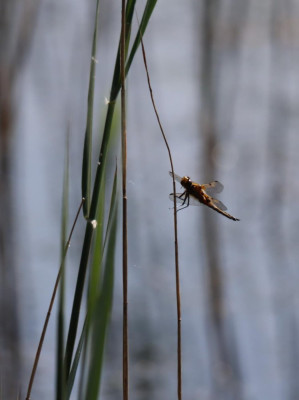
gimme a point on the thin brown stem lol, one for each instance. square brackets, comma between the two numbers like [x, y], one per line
[177, 270]
[124, 194]
[41, 341]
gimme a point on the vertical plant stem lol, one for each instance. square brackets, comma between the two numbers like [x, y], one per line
[177, 269]
[41, 341]
[124, 194]
[60, 373]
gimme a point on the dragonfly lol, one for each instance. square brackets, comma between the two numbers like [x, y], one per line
[196, 194]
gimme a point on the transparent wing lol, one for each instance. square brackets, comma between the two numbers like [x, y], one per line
[180, 198]
[212, 188]
[218, 204]
[176, 177]
[193, 201]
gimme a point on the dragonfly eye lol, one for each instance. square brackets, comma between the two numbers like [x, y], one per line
[188, 182]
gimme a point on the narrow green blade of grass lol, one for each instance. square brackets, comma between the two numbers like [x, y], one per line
[115, 87]
[74, 367]
[95, 272]
[72, 332]
[73, 326]
[98, 247]
[91, 307]
[102, 310]
[90, 227]
[60, 377]
[87, 154]
[149, 8]
[94, 278]
[87, 244]
[94, 289]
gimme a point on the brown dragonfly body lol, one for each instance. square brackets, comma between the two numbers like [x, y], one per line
[195, 194]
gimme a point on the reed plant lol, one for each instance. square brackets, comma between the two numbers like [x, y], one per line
[82, 345]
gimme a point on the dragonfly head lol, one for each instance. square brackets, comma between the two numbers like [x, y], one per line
[186, 182]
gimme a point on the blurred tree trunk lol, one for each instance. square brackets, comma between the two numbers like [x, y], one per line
[15, 27]
[277, 146]
[225, 372]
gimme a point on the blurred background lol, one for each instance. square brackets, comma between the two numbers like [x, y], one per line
[226, 83]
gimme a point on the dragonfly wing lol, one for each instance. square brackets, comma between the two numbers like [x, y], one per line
[218, 204]
[176, 177]
[212, 188]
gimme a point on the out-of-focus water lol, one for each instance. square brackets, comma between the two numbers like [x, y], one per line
[257, 162]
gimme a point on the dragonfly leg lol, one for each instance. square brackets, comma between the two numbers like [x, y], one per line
[186, 200]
